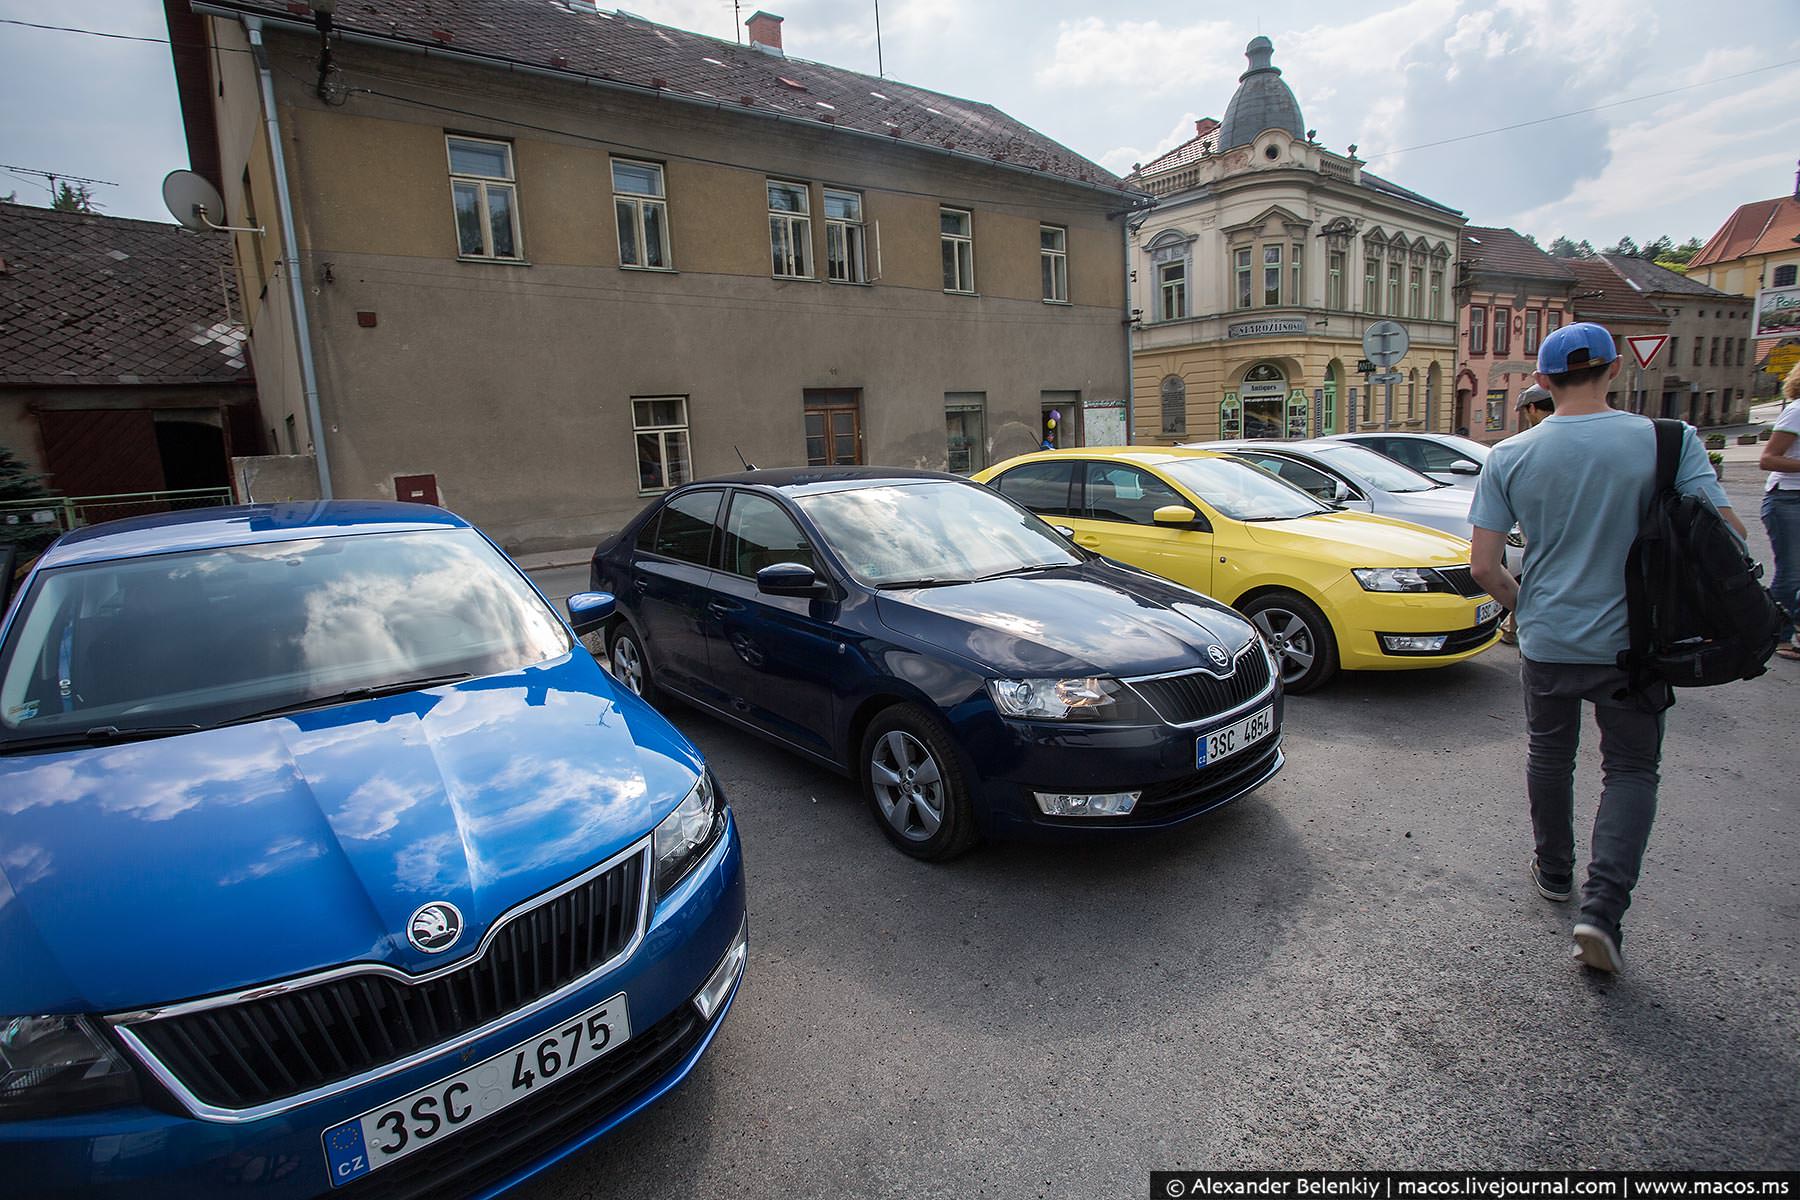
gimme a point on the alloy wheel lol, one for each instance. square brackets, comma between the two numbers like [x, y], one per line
[1291, 638]
[628, 664]
[908, 785]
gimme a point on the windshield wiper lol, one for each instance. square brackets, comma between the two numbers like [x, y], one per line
[926, 582]
[348, 694]
[98, 735]
[1288, 516]
[1025, 570]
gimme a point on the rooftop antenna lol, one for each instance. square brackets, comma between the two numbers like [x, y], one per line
[880, 67]
[737, 21]
[748, 466]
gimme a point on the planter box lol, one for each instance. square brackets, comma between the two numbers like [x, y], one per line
[1715, 441]
[1746, 439]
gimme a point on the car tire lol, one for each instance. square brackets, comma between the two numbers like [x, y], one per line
[627, 663]
[913, 777]
[1305, 647]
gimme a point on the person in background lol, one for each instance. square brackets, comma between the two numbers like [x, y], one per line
[1535, 403]
[1781, 512]
[1577, 485]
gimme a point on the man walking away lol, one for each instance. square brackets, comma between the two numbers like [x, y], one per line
[1781, 513]
[1577, 485]
[1535, 403]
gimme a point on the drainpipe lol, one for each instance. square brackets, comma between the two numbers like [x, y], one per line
[1130, 380]
[290, 251]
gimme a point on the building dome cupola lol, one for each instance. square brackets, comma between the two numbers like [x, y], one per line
[1262, 101]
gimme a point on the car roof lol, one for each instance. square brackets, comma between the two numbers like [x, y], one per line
[809, 480]
[1149, 456]
[242, 525]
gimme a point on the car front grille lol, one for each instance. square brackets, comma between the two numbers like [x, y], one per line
[262, 1049]
[1462, 581]
[1198, 695]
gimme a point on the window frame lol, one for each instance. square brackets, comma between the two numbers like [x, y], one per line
[1478, 321]
[1243, 272]
[661, 514]
[1086, 467]
[1372, 284]
[1055, 261]
[1775, 276]
[798, 228]
[1394, 283]
[638, 202]
[1502, 342]
[661, 432]
[1163, 286]
[854, 235]
[1534, 323]
[508, 183]
[1336, 297]
[962, 250]
[725, 540]
[1437, 295]
[1273, 265]
[966, 402]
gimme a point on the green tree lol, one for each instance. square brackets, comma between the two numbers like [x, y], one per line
[1657, 249]
[1685, 252]
[73, 199]
[18, 482]
[1625, 246]
[1562, 247]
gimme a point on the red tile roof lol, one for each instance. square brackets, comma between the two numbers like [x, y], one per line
[1204, 141]
[620, 49]
[1765, 227]
[1502, 251]
[102, 300]
[1602, 294]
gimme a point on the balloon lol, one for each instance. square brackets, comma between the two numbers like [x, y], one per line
[1050, 424]
[1055, 415]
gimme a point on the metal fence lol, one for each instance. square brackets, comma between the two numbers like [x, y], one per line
[20, 519]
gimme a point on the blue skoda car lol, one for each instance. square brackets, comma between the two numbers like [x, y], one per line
[974, 670]
[330, 864]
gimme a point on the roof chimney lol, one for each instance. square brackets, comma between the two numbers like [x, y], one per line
[765, 32]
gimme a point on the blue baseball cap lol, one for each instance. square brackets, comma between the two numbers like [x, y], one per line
[1583, 344]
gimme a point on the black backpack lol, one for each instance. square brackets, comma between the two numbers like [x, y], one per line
[1699, 613]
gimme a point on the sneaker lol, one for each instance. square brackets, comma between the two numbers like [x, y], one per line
[1551, 887]
[1597, 948]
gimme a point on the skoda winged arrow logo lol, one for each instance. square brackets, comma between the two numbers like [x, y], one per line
[1218, 655]
[435, 927]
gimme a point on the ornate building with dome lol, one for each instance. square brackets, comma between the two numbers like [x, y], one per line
[1255, 276]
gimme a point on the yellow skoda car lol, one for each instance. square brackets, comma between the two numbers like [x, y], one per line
[1329, 589]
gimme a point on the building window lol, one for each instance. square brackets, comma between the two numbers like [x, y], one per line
[481, 187]
[833, 427]
[1552, 321]
[790, 230]
[1334, 281]
[1699, 349]
[965, 428]
[1502, 332]
[1174, 404]
[1437, 295]
[1371, 285]
[1297, 293]
[1053, 258]
[1533, 321]
[1171, 284]
[1675, 351]
[1742, 343]
[1271, 275]
[1714, 360]
[956, 228]
[1415, 293]
[1241, 265]
[643, 214]
[1393, 292]
[1784, 276]
[1412, 395]
[1477, 329]
[661, 425]
[293, 438]
[1728, 342]
[846, 254]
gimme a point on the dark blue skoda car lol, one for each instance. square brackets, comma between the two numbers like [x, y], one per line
[969, 666]
[331, 864]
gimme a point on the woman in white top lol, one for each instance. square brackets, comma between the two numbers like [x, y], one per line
[1781, 511]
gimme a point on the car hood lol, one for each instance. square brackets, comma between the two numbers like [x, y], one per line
[157, 871]
[1444, 508]
[1353, 539]
[1095, 618]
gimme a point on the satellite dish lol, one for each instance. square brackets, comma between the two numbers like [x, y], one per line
[194, 202]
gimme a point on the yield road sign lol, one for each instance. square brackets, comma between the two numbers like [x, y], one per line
[1386, 343]
[1644, 347]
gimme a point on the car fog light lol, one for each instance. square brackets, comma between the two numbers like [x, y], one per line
[711, 997]
[1396, 643]
[1075, 804]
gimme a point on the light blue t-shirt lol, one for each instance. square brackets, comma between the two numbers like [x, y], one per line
[1577, 486]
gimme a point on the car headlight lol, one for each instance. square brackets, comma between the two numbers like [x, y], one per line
[1090, 699]
[53, 1065]
[684, 836]
[1400, 579]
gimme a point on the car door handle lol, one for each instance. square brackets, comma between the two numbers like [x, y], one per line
[640, 584]
[1087, 539]
[720, 608]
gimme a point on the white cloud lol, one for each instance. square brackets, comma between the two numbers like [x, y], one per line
[1145, 56]
[1121, 159]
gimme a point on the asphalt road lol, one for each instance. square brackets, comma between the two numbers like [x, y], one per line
[1347, 969]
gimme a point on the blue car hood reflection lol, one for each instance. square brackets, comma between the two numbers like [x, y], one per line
[157, 871]
[1096, 618]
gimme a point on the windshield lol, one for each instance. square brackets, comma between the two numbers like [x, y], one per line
[206, 636]
[1241, 491]
[932, 532]
[1376, 469]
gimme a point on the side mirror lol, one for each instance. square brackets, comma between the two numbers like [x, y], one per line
[1340, 492]
[588, 611]
[1463, 466]
[1065, 531]
[1174, 514]
[788, 579]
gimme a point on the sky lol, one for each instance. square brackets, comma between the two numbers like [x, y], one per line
[1399, 80]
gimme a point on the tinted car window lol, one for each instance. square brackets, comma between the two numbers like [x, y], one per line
[1402, 450]
[1116, 492]
[1242, 492]
[1438, 457]
[646, 535]
[1042, 487]
[686, 528]
[1360, 462]
[211, 635]
[1307, 479]
[759, 533]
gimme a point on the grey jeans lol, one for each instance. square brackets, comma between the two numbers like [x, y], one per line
[1631, 732]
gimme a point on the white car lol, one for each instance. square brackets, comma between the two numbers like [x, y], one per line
[1445, 457]
[1350, 476]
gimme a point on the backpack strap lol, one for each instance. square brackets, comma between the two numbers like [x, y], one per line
[1669, 435]
[1635, 660]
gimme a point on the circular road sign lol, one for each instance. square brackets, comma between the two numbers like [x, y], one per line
[1386, 343]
